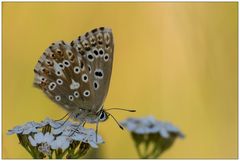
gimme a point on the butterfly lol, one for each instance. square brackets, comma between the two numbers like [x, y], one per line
[77, 75]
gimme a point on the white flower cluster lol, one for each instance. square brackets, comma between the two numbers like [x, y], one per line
[27, 128]
[61, 136]
[149, 124]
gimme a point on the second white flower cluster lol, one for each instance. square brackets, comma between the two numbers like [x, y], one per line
[149, 124]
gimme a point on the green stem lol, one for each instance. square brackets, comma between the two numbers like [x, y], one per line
[64, 152]
[29, 151]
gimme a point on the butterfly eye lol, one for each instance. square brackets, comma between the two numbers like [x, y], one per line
[86, 93]
[106, 57]
[59, 81]
[76, 94]
[52, 86]
[66, 63]
[57, 98]
[84, 78]
[102, 116]
[76, 70]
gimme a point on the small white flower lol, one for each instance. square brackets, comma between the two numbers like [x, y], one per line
[30, 127]
[87, 136]
[61, 142]
[41, 138]
[52, 123]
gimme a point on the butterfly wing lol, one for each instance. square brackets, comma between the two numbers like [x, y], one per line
[96, 48]
[77, 75]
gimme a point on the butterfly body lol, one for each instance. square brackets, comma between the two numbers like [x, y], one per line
[77, 75]
[90, 116]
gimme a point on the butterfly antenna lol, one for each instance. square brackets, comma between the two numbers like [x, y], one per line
[115, 120]
[123, 109]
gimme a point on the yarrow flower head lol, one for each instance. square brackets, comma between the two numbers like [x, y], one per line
[155, 136]
[56, 138]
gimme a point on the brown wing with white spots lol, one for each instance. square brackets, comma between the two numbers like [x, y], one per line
[77, 75]
[96, 48]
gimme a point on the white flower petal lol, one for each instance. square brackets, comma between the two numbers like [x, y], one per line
[171, 128]
[29, 130]
[163, 132]
[61, 142]
[93, 144]
[48, 138]
[16, 129]
[54, 144]
[39, 138]
[65, 145]
[32, 141]
[57, 131]
[52, 123]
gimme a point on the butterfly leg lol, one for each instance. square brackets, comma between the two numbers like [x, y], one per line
[83, 123]
[65, 120]
[80, 124]
[62, 117]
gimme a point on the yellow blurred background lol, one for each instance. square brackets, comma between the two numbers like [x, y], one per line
[176, 61]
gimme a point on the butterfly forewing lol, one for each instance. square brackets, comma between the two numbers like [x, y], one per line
[77, 75]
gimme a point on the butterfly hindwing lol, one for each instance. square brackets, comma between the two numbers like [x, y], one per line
[77, 75]
[96, 48]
